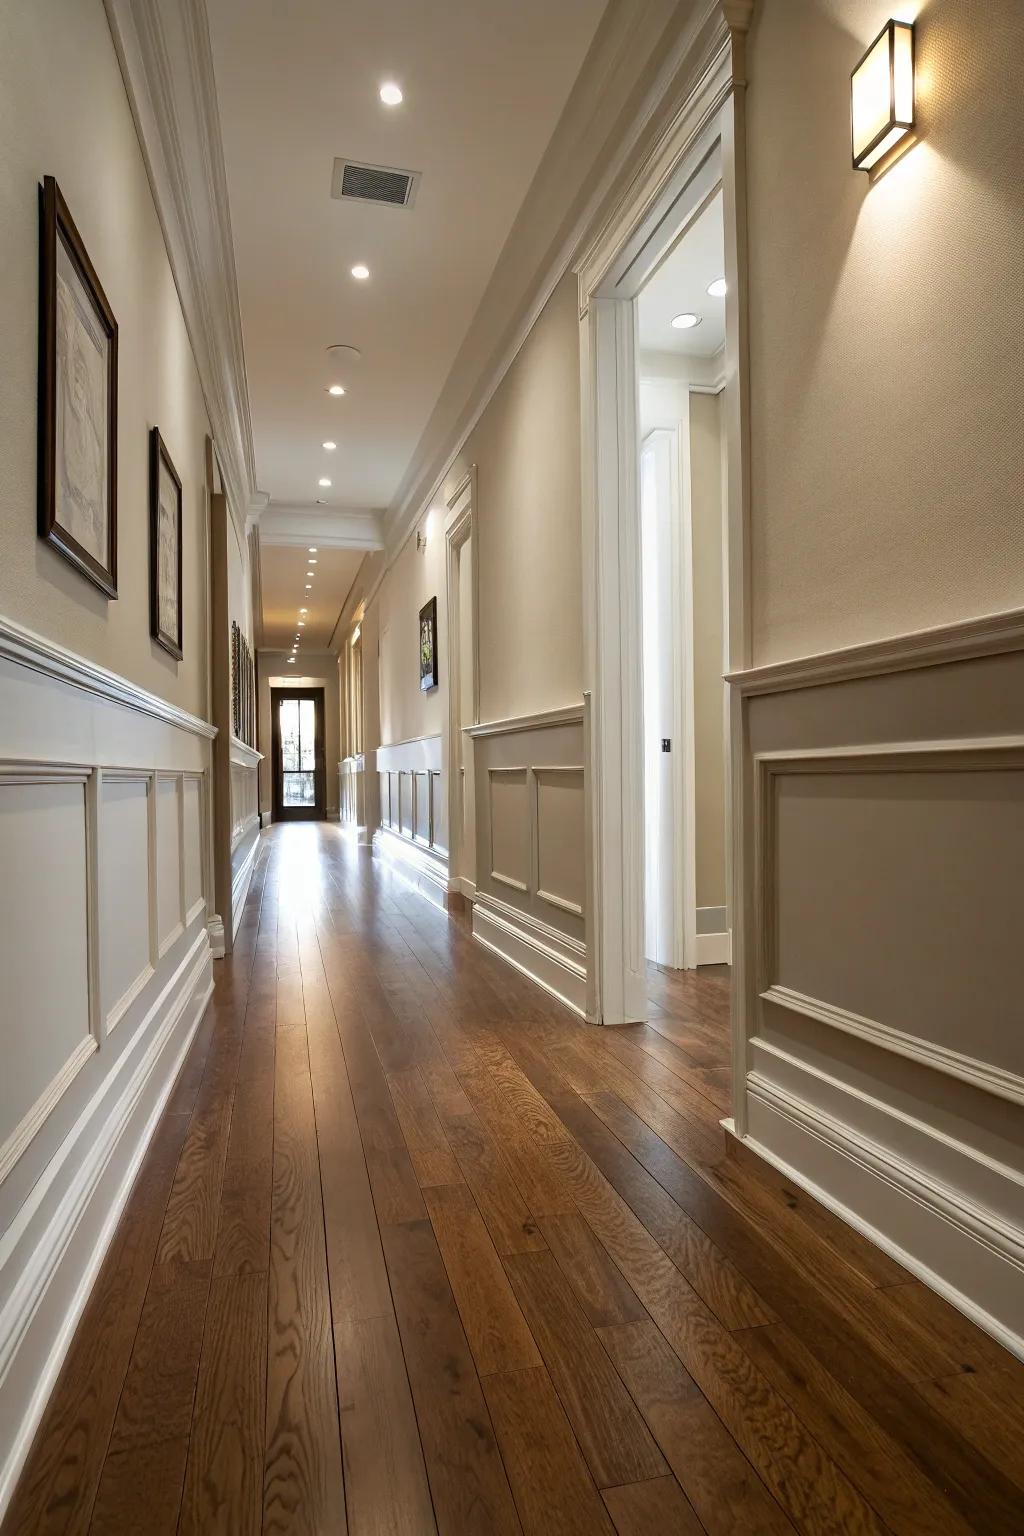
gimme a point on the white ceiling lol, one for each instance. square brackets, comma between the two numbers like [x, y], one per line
[283, 577]
[485, 82]
[680, 286]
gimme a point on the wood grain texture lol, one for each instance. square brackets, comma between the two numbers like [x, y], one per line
[598, 1295]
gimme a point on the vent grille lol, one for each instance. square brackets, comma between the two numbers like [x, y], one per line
[353, 182]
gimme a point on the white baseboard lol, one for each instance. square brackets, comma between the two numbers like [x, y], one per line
[714, 948]
[242, 877]
[462, 885]
[424, 867]
[967, 1253]
[98, 1162]
[215, 930]
[552, 959]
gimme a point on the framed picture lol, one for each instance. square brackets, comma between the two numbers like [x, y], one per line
[428, 645]
[77, 400]
[164, 547]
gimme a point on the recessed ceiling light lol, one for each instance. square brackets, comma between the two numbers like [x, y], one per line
[685, 322]
[312, 560]
[303, 610]
[291, 661]
[302, 622]
[330, 446]
[391, 94]
[312, 549]
[718, 288]
[336, 389]
[323, 481]
[308, 587]
[360, 271]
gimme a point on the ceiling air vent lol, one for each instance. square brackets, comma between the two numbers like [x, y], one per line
[353, 182]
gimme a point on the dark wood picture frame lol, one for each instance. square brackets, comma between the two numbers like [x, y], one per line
[428, 665]
[57, 231]
[160, 459]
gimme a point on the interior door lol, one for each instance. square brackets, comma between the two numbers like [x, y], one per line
[298, 731]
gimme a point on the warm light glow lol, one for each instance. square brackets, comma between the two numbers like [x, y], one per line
[330, 446]
[291, 661]
[312, 549]
[718, 288]
[323, 481]
[391, 94]
[336, 389]
[360, 271]
[685, 322]
[313, 562]
[303, 610]
[302, 622]
[882, 95]
[308, 587]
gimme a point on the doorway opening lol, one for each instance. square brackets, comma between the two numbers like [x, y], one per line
[298, 754]
[683, 483]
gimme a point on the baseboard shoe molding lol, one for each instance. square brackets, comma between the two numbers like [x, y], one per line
[714, 948]
[38, 1320]
[979, 1074]
[552, 959]
[27, 649]
[930, 1228]
[427, 869]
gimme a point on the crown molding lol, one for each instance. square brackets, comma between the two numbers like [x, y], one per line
[333, 527]
[167, 66]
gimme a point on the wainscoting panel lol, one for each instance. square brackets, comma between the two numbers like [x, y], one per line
[412, 830]
[245, 822]
[879, 1014]
[530, 876]
[102, 789]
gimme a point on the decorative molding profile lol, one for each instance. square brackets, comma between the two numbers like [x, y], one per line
[44, 1106]
[167, 66]
[287, 526]
[977, 1074]
[27, 649]
[547, 956]
[994, 634]
[565, 714]
[873, 1175]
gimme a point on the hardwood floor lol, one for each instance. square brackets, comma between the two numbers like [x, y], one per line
[415, 1250]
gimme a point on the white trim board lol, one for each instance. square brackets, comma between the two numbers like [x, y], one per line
[941, 1237]
[425, 868]
[563, 714]
[28, 649]
[103, 1153]
[548, 957]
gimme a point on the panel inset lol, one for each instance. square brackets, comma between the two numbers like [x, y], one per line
[510, 827]
[421, 818]
[897, 895]
[168, 861]
[192, 829]
[124, 890]
[405, 808]
[44, 945]
[561, 876]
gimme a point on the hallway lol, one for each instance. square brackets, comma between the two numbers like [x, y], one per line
[415, 1249]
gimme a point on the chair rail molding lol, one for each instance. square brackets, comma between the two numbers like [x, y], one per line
[167, 65]
[563, 714]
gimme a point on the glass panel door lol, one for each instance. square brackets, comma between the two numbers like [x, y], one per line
[298, 789]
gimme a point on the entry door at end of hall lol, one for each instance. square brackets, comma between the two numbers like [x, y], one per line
[298, 754]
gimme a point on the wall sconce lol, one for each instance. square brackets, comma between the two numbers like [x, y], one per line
[882, 93]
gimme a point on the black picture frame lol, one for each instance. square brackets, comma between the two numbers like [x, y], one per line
[160, 461]
[428, 645]
[73, 447]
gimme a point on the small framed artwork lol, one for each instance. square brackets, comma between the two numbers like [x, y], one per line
[428, 645]
[77, 400]
[164, 547]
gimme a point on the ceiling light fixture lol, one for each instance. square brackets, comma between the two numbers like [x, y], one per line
[303, 610]
[360, 271]
[336, 389]
[291, 661]
[882, 90]
[685, 322]
[302, 622]
[312, 560]
[329, 446]
[718, 289]
[323, 481]
[308, 587]
[312, 549]
[391, 94]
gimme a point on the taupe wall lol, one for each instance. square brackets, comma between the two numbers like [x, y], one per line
[64, 112]
[887, 372]
[312, 671]
[526, 534]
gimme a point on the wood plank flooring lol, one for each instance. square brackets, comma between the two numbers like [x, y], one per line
[414, 1250]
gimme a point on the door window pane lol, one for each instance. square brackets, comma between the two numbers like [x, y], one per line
[307, 734]
[299, 789]
[289, 717]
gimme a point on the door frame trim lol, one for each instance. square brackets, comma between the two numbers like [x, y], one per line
[460, 526]
[318, 812]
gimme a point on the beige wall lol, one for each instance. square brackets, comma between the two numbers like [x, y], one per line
[885, 330]
[527, 535]
[706, 508]
[63, 112]
[406, 711]
[312, 672]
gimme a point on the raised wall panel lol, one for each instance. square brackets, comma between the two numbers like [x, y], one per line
[560, 851]
[510, 827]
[192, 842]
[395, 799]
[126, 948]
[168, 861]
[919, 869]
[438, 813]
[421, 807]
[405, 805]
[44, 943]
